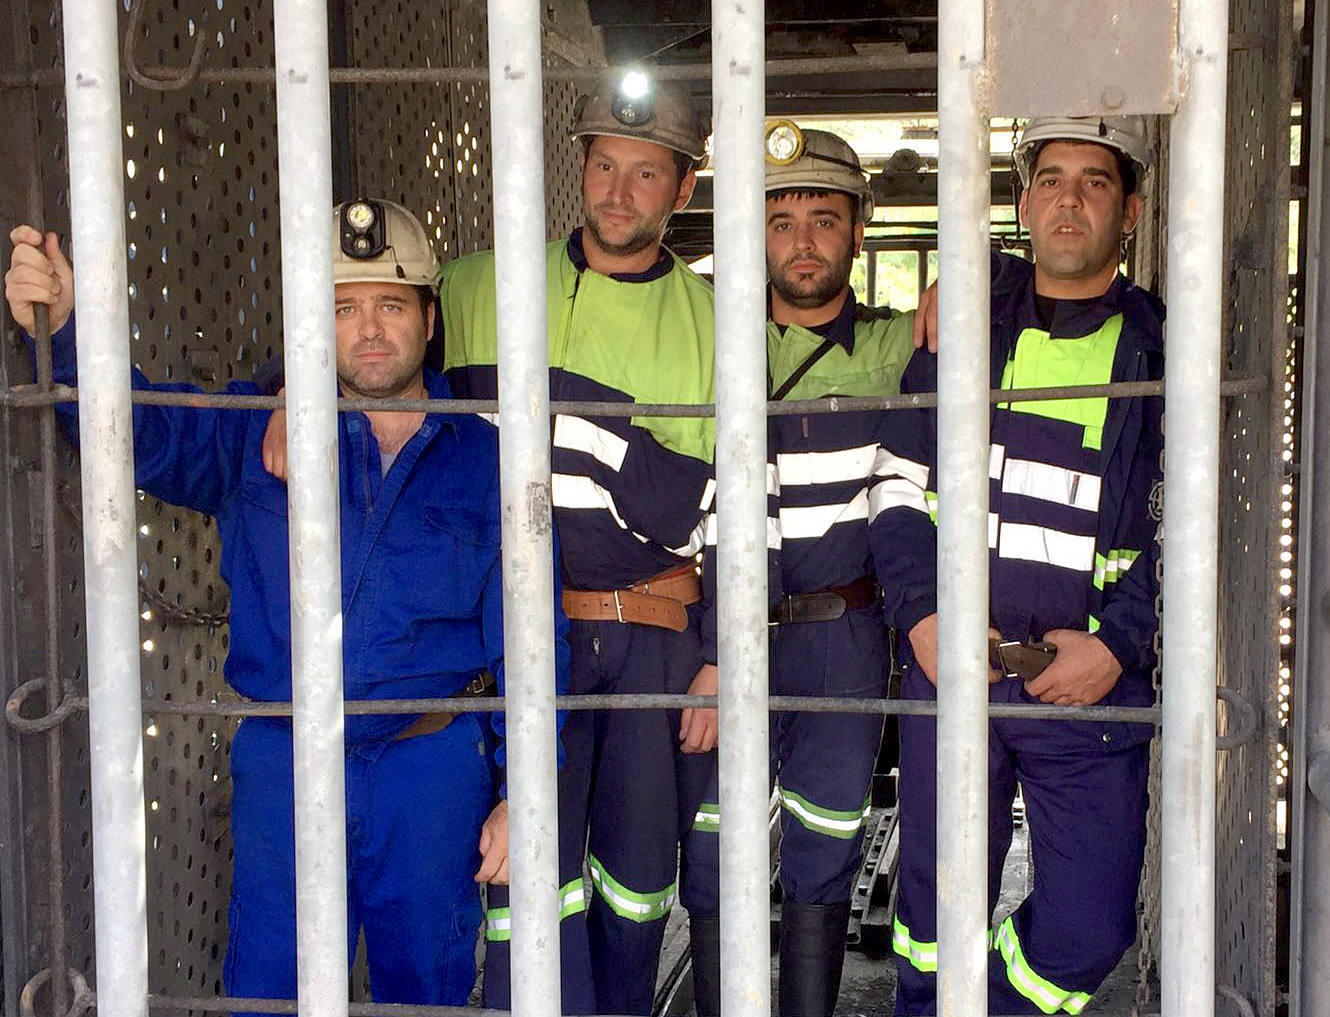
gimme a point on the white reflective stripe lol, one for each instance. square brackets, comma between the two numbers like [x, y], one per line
[574, 895]
[895, 492]
[708, 496]
[816, 520]
[583, 436]
[494, 924]
[492, 418]
[569, 491]
[1051, 483]
[886, 463]
[773, 532]
[773, 480]
[695, 541]
[996, 453]
[992, 531]
[802, 468]
[1038, 543]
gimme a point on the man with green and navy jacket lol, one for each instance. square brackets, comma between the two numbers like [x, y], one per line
[827, 636]
[1073, 510]
[628, 322]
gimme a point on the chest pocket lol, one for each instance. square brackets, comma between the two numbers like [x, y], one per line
[460, 552]
[265, 492]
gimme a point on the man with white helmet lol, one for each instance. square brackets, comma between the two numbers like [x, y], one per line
[827, 635]
[422, 601]
[1072, 523]
[628, 321]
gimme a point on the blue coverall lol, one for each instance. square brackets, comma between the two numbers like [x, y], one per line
[422, 616]
[1073, 493]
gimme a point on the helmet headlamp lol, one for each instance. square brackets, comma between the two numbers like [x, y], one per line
[784, 142]
[362, 231]
[632, 103]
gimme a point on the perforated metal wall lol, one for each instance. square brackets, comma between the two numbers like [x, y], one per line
[205, 307]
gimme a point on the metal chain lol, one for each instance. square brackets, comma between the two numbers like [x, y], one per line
[169, 612]
[1148, 898]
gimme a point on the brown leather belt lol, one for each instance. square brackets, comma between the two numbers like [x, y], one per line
[658, 601]
[826, 605]
[432, 723]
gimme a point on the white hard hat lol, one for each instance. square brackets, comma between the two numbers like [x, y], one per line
[635, 106]
[380, 241]
[1125, 134]
[799, 159]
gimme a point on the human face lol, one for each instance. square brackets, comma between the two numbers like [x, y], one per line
[381, 336]
[812, 241]
[1076, 214]
[630, 188]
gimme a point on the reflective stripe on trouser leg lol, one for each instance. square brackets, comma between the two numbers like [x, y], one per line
[577, 990]
[1084, 786]
[914, 929]
[644, 796]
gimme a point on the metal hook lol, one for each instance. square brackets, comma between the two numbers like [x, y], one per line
[1242, 720]
[83, 997]
[67, 705]
[164, 79]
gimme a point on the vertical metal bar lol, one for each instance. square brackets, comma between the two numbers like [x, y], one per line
[1191, 514]
[738, 87]
[1309, 811]
[97, 212]
[516, 119]
[870, 264]
[921, 271]
[962, 565]
[304, 147]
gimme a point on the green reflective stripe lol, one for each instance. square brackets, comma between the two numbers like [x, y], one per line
[842, 825]
[707, 819]
[930, 498]
[572, 901]
[1039, 361]
[626, 903]
[1039, 991]
[572, 898]
[499, 925]
[922, 956]
[1093, 627]
[1113, 566]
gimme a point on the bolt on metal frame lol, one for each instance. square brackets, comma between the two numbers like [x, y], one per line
[302, 77]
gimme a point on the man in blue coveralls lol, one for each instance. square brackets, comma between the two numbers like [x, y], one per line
[422, 601]
[827, 635]
[1073, 499]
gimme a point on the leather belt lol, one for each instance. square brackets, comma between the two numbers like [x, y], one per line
[826, 605]
[1025, 661]
[432, 723]
[658, 601]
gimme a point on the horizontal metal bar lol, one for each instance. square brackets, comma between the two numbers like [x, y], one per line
[787, 68]
[29, 396]
[652, 701]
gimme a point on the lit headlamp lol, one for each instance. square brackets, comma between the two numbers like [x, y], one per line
[363, 229]
[784, 142]
[632, 103]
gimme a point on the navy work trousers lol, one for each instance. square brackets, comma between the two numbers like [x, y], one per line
[821, 762]
[414, 809]
[1084, 785]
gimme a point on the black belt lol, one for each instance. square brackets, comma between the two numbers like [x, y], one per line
[826, 605]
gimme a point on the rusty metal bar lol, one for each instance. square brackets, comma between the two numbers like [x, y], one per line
[27, 397]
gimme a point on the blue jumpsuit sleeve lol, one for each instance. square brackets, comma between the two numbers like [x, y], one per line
[901, 532]
[660, 492]
[187, 455]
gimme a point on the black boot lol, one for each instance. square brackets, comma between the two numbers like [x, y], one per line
[812, 949]
[704, 943]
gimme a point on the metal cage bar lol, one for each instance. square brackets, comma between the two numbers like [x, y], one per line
[524, 470]
[962, 564]
[1191, 515]
[305, 184]
[97, 205]
[738, 87]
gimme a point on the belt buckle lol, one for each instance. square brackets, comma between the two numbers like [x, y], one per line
[618, 607]
[1008, 670]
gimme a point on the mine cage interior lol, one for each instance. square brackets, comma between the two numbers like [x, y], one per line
[205, 306]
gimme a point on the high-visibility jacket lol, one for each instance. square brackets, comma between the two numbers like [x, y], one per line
[629, 492]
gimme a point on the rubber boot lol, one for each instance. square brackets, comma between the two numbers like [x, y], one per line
[812, 949]
[704, 943]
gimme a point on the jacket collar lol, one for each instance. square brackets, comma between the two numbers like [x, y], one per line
[577, 255]
[840, 329]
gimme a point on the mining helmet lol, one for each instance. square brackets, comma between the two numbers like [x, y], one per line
[1125, 134]
[634, 106]
[380, 241]
[799, 159]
